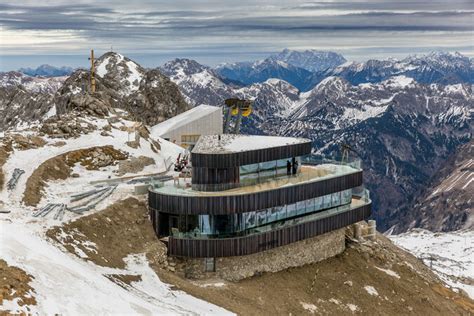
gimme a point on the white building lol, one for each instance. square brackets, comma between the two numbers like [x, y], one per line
[184, 129]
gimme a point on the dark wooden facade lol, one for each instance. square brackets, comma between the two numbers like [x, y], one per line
[230, 160]
[246, 245]
[215, 179]
[242, 203]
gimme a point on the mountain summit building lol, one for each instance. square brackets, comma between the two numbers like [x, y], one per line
[250, 194]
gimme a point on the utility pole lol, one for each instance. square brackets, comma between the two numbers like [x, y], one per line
[92, 73]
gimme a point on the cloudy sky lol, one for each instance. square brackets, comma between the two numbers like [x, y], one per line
[151, 31]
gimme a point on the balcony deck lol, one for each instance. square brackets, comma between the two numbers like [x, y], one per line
[309, 173]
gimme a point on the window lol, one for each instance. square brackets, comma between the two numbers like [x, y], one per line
[261, 218]
[291, 210]
[189, 139]
[327, 201]
[300, 207]
[310, 205]
[281, 166]
[267, 169]
[336, 199]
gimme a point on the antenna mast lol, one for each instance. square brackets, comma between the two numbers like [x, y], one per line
[92, 75]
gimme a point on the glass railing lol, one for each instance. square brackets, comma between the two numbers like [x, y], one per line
[360, 198]
[313, 168]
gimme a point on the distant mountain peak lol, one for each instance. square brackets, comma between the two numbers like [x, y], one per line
[184, 65]
[311, 59]
[46, 70]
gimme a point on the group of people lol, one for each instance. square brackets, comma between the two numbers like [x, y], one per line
[291, 166]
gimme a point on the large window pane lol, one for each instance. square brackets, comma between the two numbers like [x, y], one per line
[261, 218]
[327, 201]
[336, 199]
[318, 203]
[273, 214]
[291, 210]
[300, 207]
[310, 206]
[281, 166]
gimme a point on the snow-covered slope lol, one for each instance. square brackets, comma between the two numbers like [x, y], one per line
[450, 255]
[63, 283]
[67, 285]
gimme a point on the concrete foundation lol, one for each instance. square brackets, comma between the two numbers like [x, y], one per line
[293, 255]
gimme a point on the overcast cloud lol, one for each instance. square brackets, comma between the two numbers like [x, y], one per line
[216, 31]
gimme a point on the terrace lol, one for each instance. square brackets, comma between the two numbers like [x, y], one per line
[312, 170]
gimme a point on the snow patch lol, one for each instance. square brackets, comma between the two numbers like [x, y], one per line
[101, 70]
[371, 290]
[389, 272]
[309, 307]
[450, 255]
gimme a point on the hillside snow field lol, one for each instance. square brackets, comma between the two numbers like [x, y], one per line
[61, 282]
[449, 254]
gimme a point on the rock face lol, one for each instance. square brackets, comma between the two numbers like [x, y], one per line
[30, 84]
[18, 105]
[25, 99]
[148, 95]
[446, 204]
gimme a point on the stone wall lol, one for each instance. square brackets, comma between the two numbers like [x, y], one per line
[293, 255]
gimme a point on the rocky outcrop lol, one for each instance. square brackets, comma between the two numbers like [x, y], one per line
[18, 105]
[446, 204]
[148, 95]
[156, 99]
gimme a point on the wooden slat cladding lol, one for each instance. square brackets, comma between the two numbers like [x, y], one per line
[215, 176]
[230, 204]
[229, 160]
[246, 245]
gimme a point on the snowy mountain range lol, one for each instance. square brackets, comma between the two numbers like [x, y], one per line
[436, 67]
[306, 69]
[402, 129]
[262, 70]
[47, 71]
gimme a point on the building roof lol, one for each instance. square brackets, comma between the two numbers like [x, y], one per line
[231, 143]
[182, 119]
